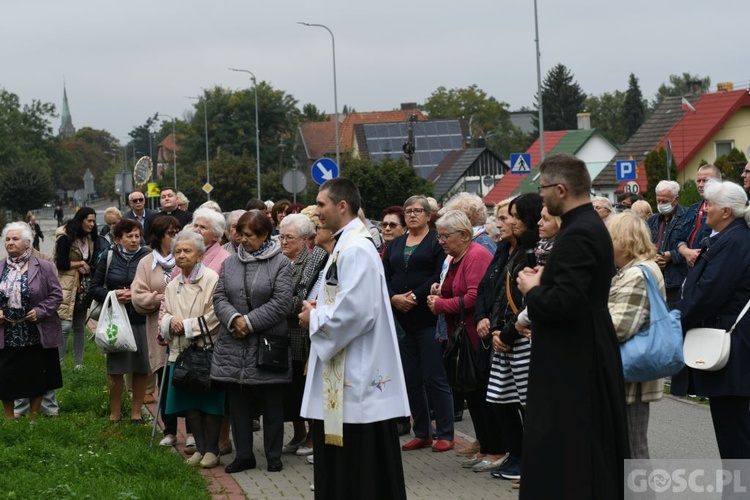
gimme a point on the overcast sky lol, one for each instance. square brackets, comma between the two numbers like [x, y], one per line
[124, 61]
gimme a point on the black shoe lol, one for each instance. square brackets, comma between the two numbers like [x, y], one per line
[458, 415]
[239, 465]
[256, 425]
[275, 466]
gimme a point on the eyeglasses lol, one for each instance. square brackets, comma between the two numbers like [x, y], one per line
[392, 225]
[318, 228]
[445, 236]
[286, 237]
[542, 188]
[137, 200]
[414, 211]
[172, 233]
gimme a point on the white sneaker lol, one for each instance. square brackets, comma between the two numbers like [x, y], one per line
[190, 445]
[303, 451]
[310, 459]
[168, 441]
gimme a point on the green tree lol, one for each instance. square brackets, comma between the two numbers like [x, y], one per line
[383, 184]
[656, 170]
[607, 115]
[25, 186]
[311, 113]
[689, 193]
[233, 179]
[634, 108]
[142, 139]
[732, 164]
[26, 131]
[680, 85]
[562, 99]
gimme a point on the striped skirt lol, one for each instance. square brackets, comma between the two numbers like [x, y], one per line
[509, 375]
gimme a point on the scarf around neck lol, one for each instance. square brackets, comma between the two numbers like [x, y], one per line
[167, 263]
[11, 285]
[246, 256]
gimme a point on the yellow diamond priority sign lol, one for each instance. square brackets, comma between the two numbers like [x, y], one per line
[207, 188]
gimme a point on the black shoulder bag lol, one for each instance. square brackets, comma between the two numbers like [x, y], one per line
[459, 357]
[192, 368]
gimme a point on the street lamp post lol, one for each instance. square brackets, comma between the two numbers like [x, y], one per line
[174, 148]
[257, 126]
[205, 126]
[335, 93]
[539, 84]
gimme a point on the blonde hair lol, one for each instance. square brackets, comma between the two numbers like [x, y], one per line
[641, 208]
[501, 204]
[631, 235]
[470, 204]
[112, 215]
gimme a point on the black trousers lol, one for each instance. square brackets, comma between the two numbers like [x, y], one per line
[510, 417]
[367, 467]
[731, 418]
[243, 402]
[488, 430]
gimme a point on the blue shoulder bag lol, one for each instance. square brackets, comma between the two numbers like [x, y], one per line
[656, 350]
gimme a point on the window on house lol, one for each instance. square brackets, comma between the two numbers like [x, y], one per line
[473, 187]
[723, 147]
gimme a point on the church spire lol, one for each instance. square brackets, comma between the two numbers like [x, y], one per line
[66, 126]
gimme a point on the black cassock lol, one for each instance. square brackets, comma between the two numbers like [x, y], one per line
[575, 437]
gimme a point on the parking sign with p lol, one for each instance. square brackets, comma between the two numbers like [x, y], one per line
[625, 170]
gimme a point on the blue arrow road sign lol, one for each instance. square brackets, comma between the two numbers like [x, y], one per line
[324, 169]
[520, 163]
[625, 170]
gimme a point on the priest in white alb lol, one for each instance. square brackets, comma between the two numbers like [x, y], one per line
[355, 385]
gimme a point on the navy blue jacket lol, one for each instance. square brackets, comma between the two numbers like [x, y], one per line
[422, 271]
[715, 291]
[678, 229]
[691, 216]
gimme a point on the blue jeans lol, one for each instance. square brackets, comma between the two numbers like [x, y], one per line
[78, 324]
[422, 358]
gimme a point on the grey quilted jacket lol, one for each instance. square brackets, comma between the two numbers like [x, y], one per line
[260, 290]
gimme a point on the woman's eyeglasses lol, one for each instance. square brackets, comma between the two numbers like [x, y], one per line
[391, 225]
[171, 233]
[414, 211]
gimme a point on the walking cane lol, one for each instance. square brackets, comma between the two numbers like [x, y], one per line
[158, 402]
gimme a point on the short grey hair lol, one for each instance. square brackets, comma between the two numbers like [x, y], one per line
[182, 199]
[605, 201]
[300, 223]
[717, 171]
[211, 205]
[234, 214]
[25, 229]
[455, 220]
[726, 194]
[471, 204]
[422, 200]
[671, 186]
[214, 218]
[188, 235]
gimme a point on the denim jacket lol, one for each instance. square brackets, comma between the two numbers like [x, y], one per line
[677, 230]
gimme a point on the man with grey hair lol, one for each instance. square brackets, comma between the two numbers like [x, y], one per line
[689, 248]
[668, 228]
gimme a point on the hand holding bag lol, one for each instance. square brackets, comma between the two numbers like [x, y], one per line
[95, 310]
[459, 357]
[113, 332]
[656, 350]
[192, 368]
[708, 348]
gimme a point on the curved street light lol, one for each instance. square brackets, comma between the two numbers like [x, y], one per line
[335, 93]
[257, 125]
[174, 148]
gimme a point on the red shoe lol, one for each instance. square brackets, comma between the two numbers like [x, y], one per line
[417, 443]
[443, 445]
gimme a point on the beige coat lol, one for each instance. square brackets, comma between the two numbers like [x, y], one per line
[69, 279]
[147, 292]
[188, 302]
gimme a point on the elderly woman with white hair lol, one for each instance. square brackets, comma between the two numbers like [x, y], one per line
[603, 207]
[715, 291]
[30, 330]
[294, 230]
[210, 224]
[473, 206]
[230, 233]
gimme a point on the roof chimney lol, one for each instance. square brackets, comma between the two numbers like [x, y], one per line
[694, 86]
[406, 106]
[725, 87]
[584, 121]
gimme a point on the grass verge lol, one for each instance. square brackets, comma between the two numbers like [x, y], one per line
[81, 455]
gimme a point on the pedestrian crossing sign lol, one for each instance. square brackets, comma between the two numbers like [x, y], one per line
[520, 163]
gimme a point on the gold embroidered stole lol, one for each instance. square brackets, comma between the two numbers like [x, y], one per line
[334, 368]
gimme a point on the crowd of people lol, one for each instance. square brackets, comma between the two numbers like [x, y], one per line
[546, 287]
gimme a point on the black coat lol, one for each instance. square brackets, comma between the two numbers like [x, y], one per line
[575, 433]
[422, 271]
[715, 291]
[120, 275]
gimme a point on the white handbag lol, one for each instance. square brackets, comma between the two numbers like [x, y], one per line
[708, 348]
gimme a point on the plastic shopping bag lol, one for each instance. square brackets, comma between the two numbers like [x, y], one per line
[114, 333]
